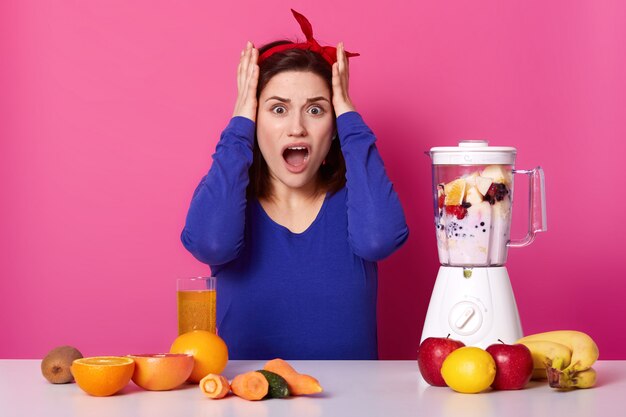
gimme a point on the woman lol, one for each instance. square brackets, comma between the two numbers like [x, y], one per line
[295, 210]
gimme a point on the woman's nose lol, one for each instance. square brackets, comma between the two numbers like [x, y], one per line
[296, 127]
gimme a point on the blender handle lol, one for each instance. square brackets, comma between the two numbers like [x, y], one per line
[537, 221]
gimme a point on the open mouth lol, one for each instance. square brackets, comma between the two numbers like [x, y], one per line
[296, 155]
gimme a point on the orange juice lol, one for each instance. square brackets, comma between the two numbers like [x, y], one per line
[196, 310]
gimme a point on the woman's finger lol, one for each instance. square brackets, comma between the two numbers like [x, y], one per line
[340, 58]
[253, 55]
[346, 64]
[342, 68]
[341, 99]
[336, 82]
[243, 66]
[246, 59]
[254, 80]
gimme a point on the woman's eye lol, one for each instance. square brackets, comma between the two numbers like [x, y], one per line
[279, 109]
[316, 110]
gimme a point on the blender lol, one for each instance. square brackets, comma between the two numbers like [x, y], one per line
[472, 300]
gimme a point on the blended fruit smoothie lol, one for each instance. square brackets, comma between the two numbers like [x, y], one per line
[473, 217]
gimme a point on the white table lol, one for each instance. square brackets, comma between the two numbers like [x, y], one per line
[351, 389]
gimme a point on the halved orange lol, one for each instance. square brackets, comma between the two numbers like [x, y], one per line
[161, 371]
[102, 376]
[454, 190]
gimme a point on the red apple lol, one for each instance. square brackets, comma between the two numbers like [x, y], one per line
[514, 365]
[430, 356]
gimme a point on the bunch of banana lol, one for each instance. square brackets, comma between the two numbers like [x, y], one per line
[564, 357]
[547, 354]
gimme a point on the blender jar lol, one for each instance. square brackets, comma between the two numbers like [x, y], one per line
[473, 197]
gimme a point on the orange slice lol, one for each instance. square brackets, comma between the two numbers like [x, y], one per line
[455, 191]
[161, 371]
[102, 376]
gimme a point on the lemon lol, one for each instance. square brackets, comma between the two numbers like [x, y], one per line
[469, 370]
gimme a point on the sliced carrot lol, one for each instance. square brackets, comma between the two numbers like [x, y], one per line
[250, 386]
[299, 384]
[214, 386]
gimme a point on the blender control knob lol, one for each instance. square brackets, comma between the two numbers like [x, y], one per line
[464, 318]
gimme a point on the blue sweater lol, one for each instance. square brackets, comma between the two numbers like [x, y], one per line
[309, 295]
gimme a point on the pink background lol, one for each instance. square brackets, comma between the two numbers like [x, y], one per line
[110, 112]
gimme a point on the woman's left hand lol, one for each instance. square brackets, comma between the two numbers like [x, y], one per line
[341, 75]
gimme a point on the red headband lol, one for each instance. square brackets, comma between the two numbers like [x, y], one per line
[329, 53]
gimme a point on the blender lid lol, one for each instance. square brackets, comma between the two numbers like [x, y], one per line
[473, 152]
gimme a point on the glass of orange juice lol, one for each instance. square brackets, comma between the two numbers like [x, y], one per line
[196, 301]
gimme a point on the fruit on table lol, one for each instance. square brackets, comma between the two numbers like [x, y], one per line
[581, 379]
[161, 371]
[514, 366]
[55, 367]
[299, 384]
[251, 386]
[430, 356]
[546, 354]
[209, 351]
[469, 370]
[102, 376]
[278, 385]
[214, 386]
[584, 354]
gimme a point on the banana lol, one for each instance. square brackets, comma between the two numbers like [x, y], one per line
[547, 354]
[582, 379]
[584, 349]
[584, 354]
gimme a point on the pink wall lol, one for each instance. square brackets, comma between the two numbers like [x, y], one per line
[110, 112]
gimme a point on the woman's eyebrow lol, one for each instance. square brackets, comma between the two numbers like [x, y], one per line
[287, 100]
[318, 98]
[284, 100]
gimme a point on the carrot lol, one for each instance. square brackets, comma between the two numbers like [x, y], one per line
[299, 384]
[214, 386]
[250, 386]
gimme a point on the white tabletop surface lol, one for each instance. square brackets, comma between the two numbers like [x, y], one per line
[351, 388]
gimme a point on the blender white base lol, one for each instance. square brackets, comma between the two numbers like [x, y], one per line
[477, 310]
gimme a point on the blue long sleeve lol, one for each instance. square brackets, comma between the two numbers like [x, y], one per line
[214, 228]
[309, 295]
[376, 222]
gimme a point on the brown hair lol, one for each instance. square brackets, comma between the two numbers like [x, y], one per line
[332, 174]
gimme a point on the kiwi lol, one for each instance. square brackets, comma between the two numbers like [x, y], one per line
[55, 367]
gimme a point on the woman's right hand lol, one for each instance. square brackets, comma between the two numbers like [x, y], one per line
[247, 80]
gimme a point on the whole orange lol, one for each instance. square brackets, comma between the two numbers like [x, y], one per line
[209, 352]
[102, 376]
